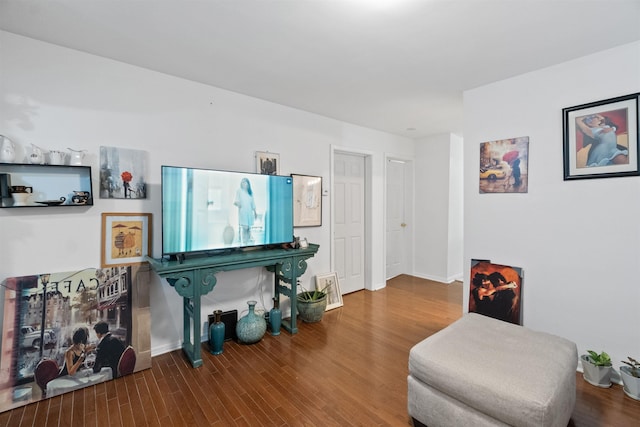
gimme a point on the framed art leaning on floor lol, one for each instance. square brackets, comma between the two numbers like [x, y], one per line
[329, 282]
[52, 321]
[496, 291]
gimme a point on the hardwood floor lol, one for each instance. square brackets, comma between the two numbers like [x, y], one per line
[348, 370]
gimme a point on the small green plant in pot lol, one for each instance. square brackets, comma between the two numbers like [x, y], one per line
[630, 374]
[311, 305]
[597, 368]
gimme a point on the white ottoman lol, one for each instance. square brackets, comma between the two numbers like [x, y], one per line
[485, 372]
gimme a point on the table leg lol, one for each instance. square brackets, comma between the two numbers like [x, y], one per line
[294, 305]
[288, 325]
[191, 343]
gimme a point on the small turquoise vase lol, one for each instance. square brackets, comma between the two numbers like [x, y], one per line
[251, 327]
[275, 317]
[216, 334]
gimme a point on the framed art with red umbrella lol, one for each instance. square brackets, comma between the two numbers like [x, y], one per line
[504, 166]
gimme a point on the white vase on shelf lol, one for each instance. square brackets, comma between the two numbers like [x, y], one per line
[20, 199]
[75, 157]
[7, 150]
[37, 156]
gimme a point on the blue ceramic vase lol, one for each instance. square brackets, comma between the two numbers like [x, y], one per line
[251, 327]
[216, 334]
[275, 317]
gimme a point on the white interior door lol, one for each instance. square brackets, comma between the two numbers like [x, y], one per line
[398, 241]
[348, 238]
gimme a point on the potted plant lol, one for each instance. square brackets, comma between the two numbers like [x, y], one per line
[630, 374]
[311, 305]
[597, 368]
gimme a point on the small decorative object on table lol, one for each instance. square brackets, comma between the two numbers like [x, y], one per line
[597, 368]
[275, 317]
[251, 327]
[216, 333]
[631, 378]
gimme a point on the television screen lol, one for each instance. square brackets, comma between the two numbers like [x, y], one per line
[207, 210]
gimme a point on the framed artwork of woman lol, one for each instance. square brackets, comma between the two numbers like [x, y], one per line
[601, 139]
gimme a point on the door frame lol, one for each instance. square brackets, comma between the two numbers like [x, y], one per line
[368, 209]
[409, 208]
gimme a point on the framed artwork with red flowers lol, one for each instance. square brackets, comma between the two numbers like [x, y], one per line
[123, 173]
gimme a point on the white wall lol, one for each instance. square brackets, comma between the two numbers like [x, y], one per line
[57, 98]
[438, 208]
[577, 241]
[456, 209]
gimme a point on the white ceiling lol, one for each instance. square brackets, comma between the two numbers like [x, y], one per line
[385, 64]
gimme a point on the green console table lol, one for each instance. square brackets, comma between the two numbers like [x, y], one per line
[194, 277]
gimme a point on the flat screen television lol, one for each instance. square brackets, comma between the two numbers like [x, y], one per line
[206, 210]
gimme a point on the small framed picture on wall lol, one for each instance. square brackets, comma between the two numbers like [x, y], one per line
[267, 163]
[504, 166]
[307, 201]
[126, 238]
[123, 173]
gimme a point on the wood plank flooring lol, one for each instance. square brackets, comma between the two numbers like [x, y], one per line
[348, 370]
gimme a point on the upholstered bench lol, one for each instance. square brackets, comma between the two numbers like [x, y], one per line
[480, 371]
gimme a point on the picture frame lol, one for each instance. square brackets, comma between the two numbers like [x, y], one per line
[307, 200]
[123, 173]
[504, 166]
[601, 138]
[126, 238]
[89, 294]
[267, 163]
[495, 291]
[334, 294]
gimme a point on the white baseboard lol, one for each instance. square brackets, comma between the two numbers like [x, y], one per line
[378, 286]
[439, 278]
[166, 348]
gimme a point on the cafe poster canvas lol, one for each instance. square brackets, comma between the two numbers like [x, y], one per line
[39, 325]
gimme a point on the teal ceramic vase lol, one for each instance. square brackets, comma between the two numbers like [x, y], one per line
[275, 317]
[216, 334]
[251, 327]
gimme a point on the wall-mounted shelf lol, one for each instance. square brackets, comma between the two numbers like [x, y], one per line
[49, 184]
